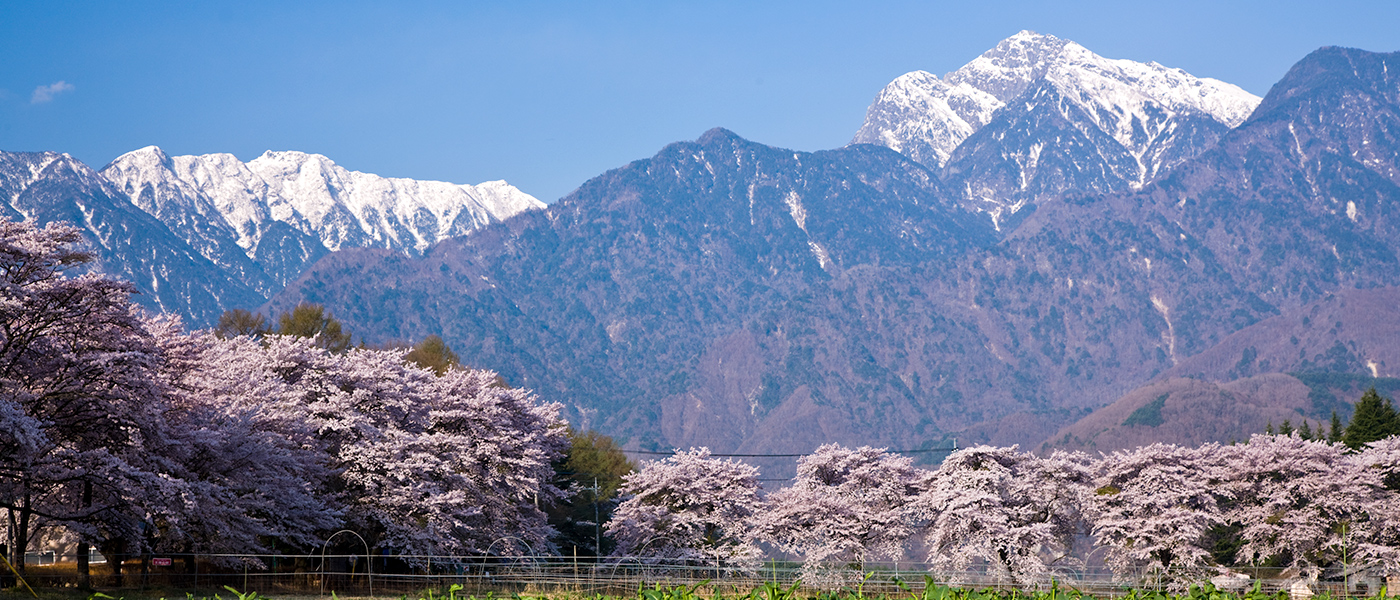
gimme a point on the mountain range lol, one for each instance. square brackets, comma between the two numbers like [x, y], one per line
[723, 292]
[1043, 247]
[204, 234]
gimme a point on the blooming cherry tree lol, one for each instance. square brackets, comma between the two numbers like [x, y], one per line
[1299, 499]
[1153, 507]
[421, 463]
[77, 380]
[1015, 512]
[1378, 538]
[247, 458]
[690, 506]
[845, 506]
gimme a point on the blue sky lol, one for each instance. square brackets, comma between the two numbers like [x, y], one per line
[549, 94]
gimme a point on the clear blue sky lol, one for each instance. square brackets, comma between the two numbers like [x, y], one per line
[549, 94]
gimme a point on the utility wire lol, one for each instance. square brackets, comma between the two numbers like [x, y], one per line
[672, 452]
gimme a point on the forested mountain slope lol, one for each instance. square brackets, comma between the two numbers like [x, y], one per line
[747, 297]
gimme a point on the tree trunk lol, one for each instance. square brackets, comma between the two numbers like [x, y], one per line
[115, 558]
[21, 535]
[7, 579]
[84, 572]
[190, 567]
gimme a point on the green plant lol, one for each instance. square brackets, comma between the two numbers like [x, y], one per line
[245, 596]
[680, 592]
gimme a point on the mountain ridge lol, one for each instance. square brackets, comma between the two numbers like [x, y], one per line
[127, 242]
[701, 322]
[757, 299]
[225, 206]
[1116, 123]
[199, 235]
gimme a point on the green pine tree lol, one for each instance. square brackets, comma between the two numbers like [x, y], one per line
[1374, 419]
[1335, 435]
[593, 469]
[1305, 431]
[1286, 428]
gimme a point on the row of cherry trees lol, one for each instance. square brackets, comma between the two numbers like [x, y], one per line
[1299, 504]
[131, 432]
[128, 431]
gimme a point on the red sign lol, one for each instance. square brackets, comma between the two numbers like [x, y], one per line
[160, 562]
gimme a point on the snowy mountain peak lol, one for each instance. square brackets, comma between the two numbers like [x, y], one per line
[925, 117]
[1008, 69]
[351, 208]
[151, 153]
[1124, 121]
[307, 204]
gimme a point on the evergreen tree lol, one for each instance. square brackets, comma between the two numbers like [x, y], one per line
[1335, 435]
[1374, 419]
[1305, 431]
[592, 472]
[1286, 428]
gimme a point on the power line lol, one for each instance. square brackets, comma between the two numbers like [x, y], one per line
[673, 452]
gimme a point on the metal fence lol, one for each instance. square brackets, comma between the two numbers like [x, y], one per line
[394, 576]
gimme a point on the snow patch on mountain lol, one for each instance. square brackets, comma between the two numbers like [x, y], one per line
[126, 242]
[313, 195]
[927, 118]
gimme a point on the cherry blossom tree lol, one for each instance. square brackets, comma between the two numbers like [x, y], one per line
[251, 467]
[845, 506]
[690, 506]
[420, 463]
[1153, 508]
[127, 430]
[1015, 512]
[1301, 501]
[76, 386]
[1379, 535]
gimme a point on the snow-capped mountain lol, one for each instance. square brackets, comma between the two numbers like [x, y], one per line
[1038, 114]
[756, 299]
[283, 210]
[169, 275]
[925, 117]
